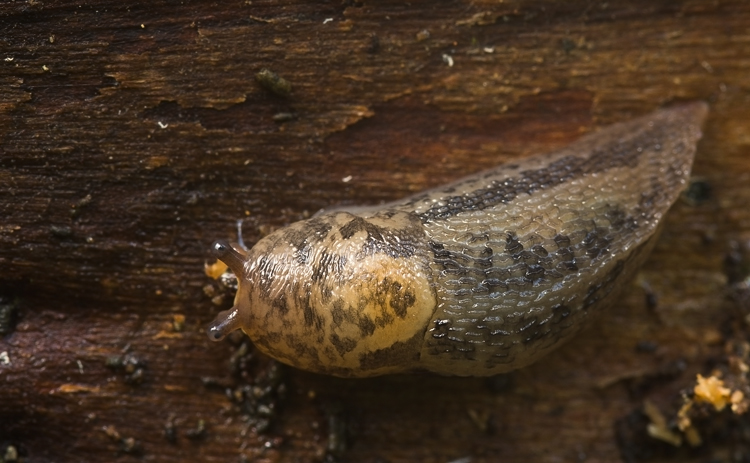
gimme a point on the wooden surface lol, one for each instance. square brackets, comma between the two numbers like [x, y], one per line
[133, 134]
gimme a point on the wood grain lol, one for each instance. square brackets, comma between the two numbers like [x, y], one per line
[133, 134]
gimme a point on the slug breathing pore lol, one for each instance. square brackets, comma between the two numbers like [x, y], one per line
[481, 276]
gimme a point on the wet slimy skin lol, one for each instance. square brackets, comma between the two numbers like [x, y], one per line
[478, 277]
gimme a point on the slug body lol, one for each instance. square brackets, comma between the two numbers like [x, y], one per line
[475, 278]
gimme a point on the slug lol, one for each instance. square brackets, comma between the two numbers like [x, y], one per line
[478, 277]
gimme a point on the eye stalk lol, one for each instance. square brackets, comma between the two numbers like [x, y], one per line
[227, 320]
[230, 256]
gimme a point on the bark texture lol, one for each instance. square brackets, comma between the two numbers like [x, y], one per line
[133, 134]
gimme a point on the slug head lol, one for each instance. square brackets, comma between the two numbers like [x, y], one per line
[338, 294]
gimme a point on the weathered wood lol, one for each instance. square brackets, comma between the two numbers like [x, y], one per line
[133, 134]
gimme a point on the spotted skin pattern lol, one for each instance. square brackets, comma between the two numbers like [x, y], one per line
[479, 277]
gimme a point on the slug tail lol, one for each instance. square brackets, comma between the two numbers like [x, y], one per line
[224, 323]
[230, 256]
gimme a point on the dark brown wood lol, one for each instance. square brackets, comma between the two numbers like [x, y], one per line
[133, 134]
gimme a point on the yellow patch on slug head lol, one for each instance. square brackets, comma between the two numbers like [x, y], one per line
[326, 302]
[387, 302]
